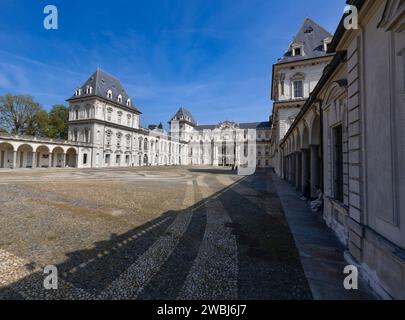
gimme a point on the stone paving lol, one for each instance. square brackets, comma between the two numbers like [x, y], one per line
[148, 233]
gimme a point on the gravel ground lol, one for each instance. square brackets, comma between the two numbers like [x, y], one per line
[146, 233]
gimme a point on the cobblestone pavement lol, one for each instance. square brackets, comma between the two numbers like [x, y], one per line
[146, 233]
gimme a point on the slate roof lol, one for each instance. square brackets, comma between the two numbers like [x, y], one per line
[184, 114]
[251, 125]
[101, 82]
[311, 35]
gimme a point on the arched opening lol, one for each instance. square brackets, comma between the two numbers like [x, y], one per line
[6, 155]
[43, 157]
[145, 160]
[58, 158]
[25, 156]
[71, 158]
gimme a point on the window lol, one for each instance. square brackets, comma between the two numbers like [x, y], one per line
[129, 120]
[338, 163]
[86, 135]
[119, 99]
[107, 159]
[119, 136]
[298, 89]
[128, 140]
[109, 112]
[128, 102]
[127, 159]
[78, 92]
[75, 135]
[119, 117]
[109, 94]
[77, 114]
[89, 90]
[297, 52]
[88, 108]
[118, 159]
[108, 138]
[85, 158]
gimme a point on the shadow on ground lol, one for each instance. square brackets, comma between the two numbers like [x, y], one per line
[268, 263]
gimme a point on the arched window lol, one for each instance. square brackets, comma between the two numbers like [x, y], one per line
[86, 135]
[78, 92]
[119, 99]
[129, 120]
[88, 110]
[145, 145]
[128, 102]
[140, 143]
[119, 117]
[77, 114]
[109, 94]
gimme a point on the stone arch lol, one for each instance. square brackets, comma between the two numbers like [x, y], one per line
[315, 133]
[25, 156]
[58, 157]
[6, 155]
[71, 158]
[305, 137]
[43, 159]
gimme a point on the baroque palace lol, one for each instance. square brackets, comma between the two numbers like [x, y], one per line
[105, 131]
[338, 129]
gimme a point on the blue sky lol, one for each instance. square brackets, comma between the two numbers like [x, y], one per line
[212, 56]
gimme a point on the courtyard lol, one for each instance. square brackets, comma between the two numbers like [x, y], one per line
[161, 233]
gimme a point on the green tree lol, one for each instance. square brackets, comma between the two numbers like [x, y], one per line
[38, 125]
[58, 122]
[17, 113]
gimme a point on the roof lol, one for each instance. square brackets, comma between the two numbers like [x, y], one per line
[255, 125]
[101, 82]
[184, 114]
[251, 125]
[311, 35]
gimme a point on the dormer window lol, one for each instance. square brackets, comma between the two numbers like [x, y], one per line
[298, 49]
[89, 90]
[78, 92]
[128, 102]
[109, 94]
[119, 99]
[326, 43]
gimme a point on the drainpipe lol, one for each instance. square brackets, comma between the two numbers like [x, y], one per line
[321, 184]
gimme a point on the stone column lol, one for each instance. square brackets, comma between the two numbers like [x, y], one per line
[314, 175]
[50, 160]
[14, 160]
[304, 168]
[298, 170]
[63, 160]
[34, 159]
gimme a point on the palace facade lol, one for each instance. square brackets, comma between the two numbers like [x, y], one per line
[105, 131]
[348, 141]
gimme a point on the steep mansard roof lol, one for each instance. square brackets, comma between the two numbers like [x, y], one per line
[311, 35]
[101, 82]
[184, 114]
